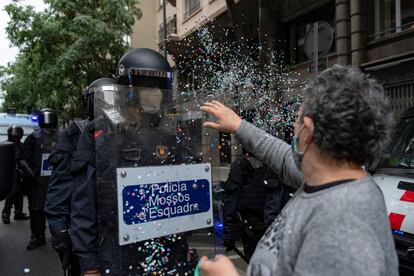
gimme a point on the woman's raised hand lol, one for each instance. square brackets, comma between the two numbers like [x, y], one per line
[227, 119]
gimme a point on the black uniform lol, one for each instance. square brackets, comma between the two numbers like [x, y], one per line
[58, 199]
[95, 230]
[57, 205]
[36, 146]
[83, 224]
[253, 197]
[7, 168]
[16, 194]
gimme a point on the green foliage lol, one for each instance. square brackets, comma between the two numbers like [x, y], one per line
[62, 50]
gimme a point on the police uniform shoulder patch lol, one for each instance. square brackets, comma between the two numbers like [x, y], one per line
[161, 151]
[98, 133]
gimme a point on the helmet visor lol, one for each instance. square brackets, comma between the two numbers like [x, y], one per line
[48, 119]
[146, 78]
[121, 102]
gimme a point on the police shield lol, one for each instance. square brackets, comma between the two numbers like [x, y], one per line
[7, 168]
[158, 205]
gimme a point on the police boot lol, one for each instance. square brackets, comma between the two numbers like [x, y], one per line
[5, 217]
[21, 216]
[35, 242]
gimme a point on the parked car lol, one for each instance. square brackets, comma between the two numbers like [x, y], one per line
[394, 174]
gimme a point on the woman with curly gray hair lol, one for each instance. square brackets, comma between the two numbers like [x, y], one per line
[336, 224]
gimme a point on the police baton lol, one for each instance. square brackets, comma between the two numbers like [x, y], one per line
[238, 252]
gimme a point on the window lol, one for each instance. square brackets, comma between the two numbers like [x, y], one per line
[400, 152]
[391, 16]
[385, 15]
[401, 96]
[190, 7]
[407, 14]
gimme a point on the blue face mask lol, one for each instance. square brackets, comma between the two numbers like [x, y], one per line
[298, 155]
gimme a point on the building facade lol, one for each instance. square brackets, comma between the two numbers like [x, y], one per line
[148, 31]
[376, 35]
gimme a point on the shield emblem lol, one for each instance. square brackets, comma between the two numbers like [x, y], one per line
[132, 154]
[161, 152]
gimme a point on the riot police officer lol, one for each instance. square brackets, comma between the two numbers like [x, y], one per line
[127, 132]
[37, 148]
[15, 134]
[253, 197]
[7, 167]
[58, 199]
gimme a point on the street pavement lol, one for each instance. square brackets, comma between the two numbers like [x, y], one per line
[15, 260]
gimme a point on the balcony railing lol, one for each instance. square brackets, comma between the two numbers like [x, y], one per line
[171, 28]
[401, 96]
[401, 28]
[309, 66]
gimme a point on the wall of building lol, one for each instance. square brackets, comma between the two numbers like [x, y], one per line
[145, 31]
[171, 12]
[208, 9]
[392, 45]
[386, 55]
[292, 9]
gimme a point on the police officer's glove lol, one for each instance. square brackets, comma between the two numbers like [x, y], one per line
[229, 244]
[20, 175]
[27, 171]
[62, 244]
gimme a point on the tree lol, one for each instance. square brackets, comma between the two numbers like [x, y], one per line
[63, 49]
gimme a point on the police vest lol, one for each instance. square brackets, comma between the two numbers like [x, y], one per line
[45, 141]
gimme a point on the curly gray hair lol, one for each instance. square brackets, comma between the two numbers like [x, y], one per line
[351, 115]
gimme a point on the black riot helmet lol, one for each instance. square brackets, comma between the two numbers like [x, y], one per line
[89, 92]
[47, 118]
[143, 67]
[15, 133]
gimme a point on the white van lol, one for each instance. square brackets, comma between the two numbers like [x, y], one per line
[394, 174]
